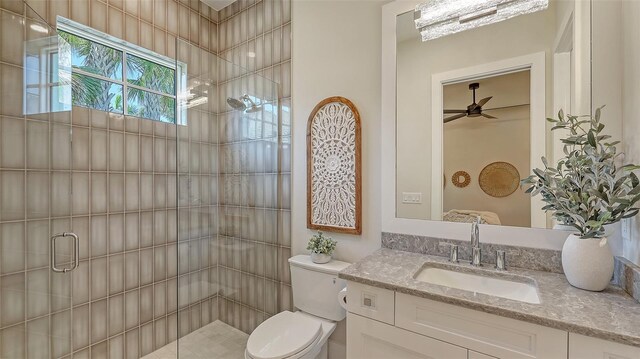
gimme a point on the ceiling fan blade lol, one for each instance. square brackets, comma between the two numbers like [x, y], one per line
[483, 101]
[487, 116]
[449, 119]
[503, 107]
[454, 111]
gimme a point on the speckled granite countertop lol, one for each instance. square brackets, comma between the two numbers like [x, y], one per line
[611, 315]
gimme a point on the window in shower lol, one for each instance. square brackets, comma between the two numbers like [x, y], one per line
[112, 75]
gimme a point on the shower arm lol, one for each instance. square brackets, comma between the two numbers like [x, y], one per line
[247, 98]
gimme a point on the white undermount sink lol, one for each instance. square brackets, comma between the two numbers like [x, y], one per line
[497, 287]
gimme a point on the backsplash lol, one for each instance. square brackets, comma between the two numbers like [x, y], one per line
[521, 257]
[627, 276]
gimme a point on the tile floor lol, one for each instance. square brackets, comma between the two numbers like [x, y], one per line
[214, 341]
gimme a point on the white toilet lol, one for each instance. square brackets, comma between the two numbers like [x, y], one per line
[302, 334]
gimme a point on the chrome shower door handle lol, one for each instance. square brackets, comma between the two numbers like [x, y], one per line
[76, 252]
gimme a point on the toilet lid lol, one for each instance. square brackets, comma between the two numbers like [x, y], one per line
[283, 335]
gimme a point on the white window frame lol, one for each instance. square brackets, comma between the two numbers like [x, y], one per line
[44, 70]
[180, 69]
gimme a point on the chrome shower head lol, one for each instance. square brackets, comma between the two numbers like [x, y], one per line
[236, 104]
[244, 103]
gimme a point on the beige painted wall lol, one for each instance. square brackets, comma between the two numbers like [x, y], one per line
[336, 51]
[418, 61]
[616, 74]
[607, 70]
[470, 147]
[630, 95]
[472, 143]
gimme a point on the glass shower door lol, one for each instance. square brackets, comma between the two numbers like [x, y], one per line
[230, 256]
[39, 253]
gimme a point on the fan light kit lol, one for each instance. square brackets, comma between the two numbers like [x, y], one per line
[437, 18]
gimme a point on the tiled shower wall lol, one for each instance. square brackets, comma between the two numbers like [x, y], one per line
[122, 301]
[257, 36]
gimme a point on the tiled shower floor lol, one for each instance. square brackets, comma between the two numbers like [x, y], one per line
[213, 341]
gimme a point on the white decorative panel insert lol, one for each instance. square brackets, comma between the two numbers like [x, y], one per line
[333, 167]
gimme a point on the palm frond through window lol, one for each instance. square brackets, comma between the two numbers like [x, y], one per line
[113, 79]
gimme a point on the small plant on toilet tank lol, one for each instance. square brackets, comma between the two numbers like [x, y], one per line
[321, 247]
[586, 190]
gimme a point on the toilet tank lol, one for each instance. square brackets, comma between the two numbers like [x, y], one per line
[316, 286]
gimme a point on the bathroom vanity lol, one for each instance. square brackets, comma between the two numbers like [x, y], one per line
[395, 311]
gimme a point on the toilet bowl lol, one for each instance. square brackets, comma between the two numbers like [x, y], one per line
[291, 335]
[302, 334]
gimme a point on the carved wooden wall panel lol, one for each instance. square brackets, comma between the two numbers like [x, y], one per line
[334, 190]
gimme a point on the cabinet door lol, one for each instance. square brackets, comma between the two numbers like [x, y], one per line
[485, 333]
[371, 302]
[370, 339]
[583, 347]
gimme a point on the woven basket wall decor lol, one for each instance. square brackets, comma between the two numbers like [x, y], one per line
[461, 179]
[499, 179]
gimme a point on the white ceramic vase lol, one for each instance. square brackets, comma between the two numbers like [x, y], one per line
[587, 263]
[320, 258]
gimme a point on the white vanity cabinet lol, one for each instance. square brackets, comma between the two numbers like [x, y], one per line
[484, 333]
[583, 347]
[371, 339]
[383, 323]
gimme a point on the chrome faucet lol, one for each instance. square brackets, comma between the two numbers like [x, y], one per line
[476, 254]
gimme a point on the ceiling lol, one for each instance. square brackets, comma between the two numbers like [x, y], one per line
[218, 5]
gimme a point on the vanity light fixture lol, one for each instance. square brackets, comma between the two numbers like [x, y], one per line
[437, 18]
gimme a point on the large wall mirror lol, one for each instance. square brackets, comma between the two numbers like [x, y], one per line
[471, 108]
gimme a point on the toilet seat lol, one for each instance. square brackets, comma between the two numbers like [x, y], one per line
[285, 335]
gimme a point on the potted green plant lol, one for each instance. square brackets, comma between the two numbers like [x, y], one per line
[586, 190]
[321, 248]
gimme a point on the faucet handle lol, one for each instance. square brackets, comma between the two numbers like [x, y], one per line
[453, 254]
[501, 261]
[475, 232]
[476, 256]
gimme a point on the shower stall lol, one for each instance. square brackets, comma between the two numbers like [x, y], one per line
[132, 230]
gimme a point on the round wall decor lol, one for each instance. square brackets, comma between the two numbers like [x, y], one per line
[499, 179]
[461, 179]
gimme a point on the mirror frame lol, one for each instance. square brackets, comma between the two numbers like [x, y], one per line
[518, 236]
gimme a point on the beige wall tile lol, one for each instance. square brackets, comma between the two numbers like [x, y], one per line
[131, 29]
[12, 142]
[98, 10]
[11, 38]
[115, 223]
[160, 14]
[116, 21]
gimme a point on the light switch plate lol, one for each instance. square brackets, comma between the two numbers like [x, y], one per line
[412, 197]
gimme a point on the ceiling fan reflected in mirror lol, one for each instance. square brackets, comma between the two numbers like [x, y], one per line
[473, 110]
